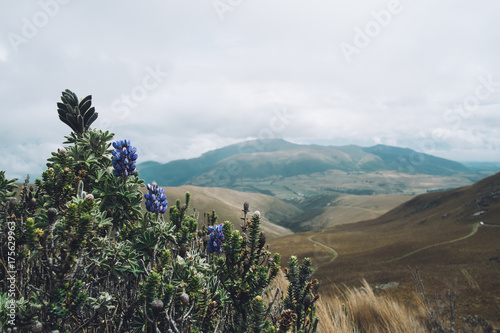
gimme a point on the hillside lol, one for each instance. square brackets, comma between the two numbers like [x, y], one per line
[281, 218]
[287, 170]
[328, 210]
[229, 203]
[440, 233]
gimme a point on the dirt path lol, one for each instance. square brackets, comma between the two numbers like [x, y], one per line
[475, 227]
[330, 249]
[335, 254]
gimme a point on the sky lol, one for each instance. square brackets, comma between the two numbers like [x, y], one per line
[179, 78]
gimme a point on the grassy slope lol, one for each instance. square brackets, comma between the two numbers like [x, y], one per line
[228, 205]
[281, 218]
[434, 227]
[325, 211]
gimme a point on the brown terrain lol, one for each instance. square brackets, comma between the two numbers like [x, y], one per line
[228, 205]
[452, 237]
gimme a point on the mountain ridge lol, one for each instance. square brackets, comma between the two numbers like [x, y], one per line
[256, 160]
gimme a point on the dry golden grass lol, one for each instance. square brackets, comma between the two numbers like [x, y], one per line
[440, 233]
[360, 310]
[229, 203]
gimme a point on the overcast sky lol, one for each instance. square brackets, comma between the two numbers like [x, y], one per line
[179, 78]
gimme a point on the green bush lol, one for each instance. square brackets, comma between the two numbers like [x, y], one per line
[84, 250]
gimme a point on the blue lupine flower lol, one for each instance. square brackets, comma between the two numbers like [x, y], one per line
[156, 200]
[216, 238]
[124, 157]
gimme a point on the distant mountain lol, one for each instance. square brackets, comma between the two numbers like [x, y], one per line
[491, 167]
[181, 172]
[410, 161]
[250, 165]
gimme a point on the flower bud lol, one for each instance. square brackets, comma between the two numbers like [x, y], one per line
[12, 203]
[262, 239]
[51, 214]
[185, 299]
[156, 306]
[37, 327]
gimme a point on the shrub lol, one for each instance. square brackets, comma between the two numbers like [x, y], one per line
[84, 250]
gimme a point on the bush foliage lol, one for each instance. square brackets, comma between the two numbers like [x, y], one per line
[84, 250]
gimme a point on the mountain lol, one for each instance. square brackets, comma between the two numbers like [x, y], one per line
[410, 161]
[452, 237]
[287, 170]
[491, 167]
[180, 172]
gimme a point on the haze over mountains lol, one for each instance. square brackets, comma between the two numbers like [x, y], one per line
[287, 170]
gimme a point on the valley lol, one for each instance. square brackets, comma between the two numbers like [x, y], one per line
[361, 213]
[439, 233]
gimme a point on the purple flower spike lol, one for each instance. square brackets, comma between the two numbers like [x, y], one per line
[156, 201]
[124, 158]
[216, 240]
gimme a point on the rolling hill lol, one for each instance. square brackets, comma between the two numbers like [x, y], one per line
[327, 210]
[229, 203]
[281, 218]
[287, 170]
[453, 237]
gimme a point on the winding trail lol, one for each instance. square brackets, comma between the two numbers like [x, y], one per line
[475, 227]
[335, 254]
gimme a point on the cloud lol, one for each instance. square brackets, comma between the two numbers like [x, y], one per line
[225, 76]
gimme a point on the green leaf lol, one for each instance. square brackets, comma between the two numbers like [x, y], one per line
[67, 100]
[88, 114]
[92, 119]
[70, 97]
[62, 113]
[67, 122]
[63, 107]
[81, 126]
[85, 103]
[73, 123]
